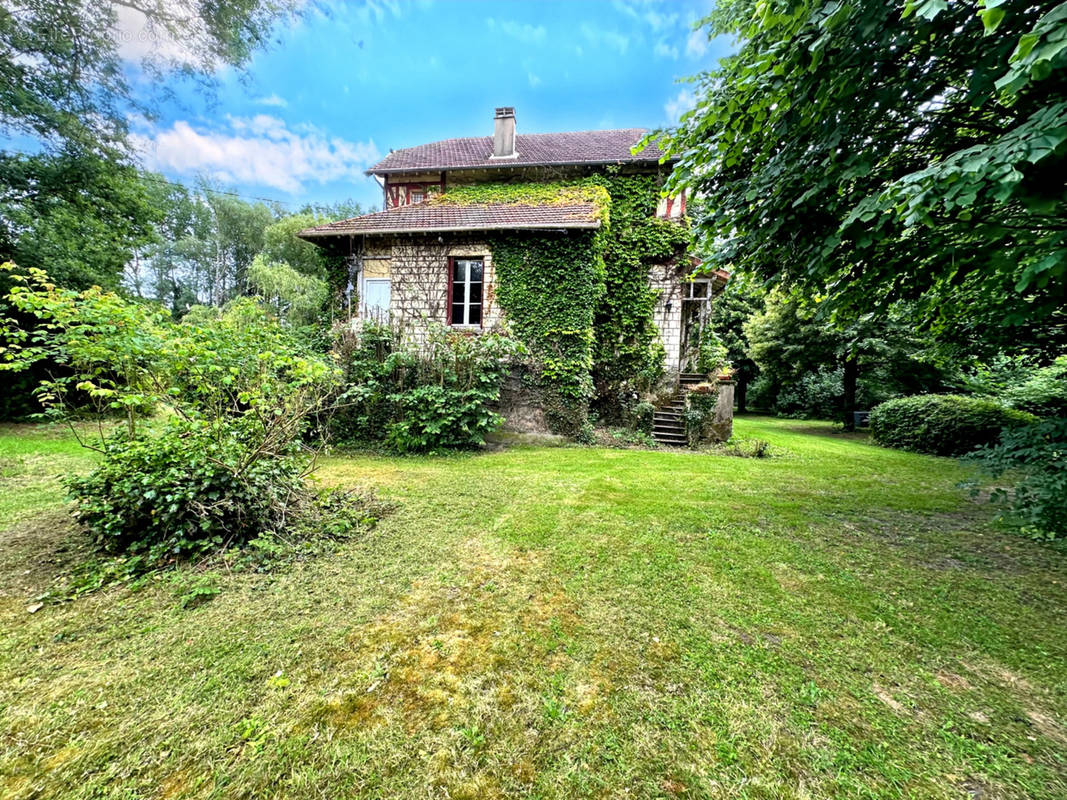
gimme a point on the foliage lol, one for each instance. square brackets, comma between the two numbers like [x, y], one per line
[711, 353]
[1020, 382]
[549, 284]
[296, 297]
[628, 355]
[1035, 458]
[737, 303]
[700, 404]
[421, 400]
[643, 417]
[943, 425]
[282, 245]
[816, 394]
[79, 215]
[547, 287]
[870, 153]
[541, 194]
[241, 392]
[802, 358]
[186, 488]
[64, 83]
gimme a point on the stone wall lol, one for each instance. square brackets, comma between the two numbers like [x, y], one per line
[668, 281]
[417, 267]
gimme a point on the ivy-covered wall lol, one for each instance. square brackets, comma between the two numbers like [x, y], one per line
[549, 286]
[628, 354]
[580, 300]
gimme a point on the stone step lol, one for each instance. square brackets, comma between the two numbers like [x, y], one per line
[671, 442]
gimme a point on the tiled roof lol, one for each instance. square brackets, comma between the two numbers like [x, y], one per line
[430, 217]
[534, 149]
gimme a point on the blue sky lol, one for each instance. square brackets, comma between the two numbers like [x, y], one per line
[349, 81]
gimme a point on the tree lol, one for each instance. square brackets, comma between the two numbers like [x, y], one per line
[75, 203]
[868, 153]
[81, 216]
[738, 303]
[296, 298]
[809, 367]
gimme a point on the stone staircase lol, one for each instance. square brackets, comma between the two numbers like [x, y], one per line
[668, 424]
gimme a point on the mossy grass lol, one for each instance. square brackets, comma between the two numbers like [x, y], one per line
[840, 620]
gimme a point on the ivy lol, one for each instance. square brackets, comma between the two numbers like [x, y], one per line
[628, 355]
[556, 193]
[581, 300]
[548, 285]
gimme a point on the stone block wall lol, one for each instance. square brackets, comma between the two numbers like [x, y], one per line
[667, 280]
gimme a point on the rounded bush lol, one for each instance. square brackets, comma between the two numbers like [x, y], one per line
[185, 490]
[942, 424]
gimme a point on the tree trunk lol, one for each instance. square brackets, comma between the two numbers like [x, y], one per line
[852, 372]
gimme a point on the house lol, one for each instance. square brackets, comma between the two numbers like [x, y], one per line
[568, 237]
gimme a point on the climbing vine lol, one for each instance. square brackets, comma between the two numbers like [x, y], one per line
[628, 356]
[580, 299]
[548, 285]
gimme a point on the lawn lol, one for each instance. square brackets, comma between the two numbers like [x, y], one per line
[836, 621]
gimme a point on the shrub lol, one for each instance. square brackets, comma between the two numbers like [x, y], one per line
[817, 394]
[436, 397]
[1043, 391]
[643, 416]
[186, 489]
[243, 395]
[1036, 456]
[711, 352]
[944, 425]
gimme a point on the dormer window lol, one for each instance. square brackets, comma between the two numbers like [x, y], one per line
[417, 196]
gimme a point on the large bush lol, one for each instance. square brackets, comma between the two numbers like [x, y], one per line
[1035, 456]
[186, 488]
[944, 425]
[240, 396]
[419, 399]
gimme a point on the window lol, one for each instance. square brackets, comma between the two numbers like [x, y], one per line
[376, 292]
[417, 196]
[465, 291]
[697, 290]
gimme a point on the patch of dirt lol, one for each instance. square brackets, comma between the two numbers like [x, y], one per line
[1047, 725]
[35, 553]
[951, 680]
[888, 699]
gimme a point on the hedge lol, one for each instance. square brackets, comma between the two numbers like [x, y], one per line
[943, 425]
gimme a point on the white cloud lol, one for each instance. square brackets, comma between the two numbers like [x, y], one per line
[139, 39]
[678, 105]
[261, 151]
[697, 44]
[524, 32]
[646, 16]
[273, 100]
[535, 80]
[609, 38]
[664, 50]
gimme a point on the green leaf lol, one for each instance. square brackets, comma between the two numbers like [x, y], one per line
[991, 19]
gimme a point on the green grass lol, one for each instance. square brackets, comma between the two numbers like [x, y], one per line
[837, 621]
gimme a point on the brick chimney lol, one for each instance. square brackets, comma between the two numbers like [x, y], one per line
[504, 133]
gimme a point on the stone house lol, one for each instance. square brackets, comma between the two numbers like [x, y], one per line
[428, 258]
